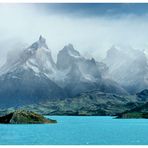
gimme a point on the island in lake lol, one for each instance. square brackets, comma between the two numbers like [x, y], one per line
[25, 117]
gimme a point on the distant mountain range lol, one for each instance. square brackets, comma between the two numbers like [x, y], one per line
[32, 76]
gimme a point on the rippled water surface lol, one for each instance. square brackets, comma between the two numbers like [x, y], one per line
[77, 130]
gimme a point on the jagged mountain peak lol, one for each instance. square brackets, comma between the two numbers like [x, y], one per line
[36, 76]
[69, 49]
[113, 51]
[69, 46]
[41, 43]
[41, 39]
[93, 60]
[36, 57]
[67, 56]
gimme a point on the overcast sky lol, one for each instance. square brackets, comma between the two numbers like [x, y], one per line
[91, 28]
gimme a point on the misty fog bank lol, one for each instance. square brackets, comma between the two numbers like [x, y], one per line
[91, 36]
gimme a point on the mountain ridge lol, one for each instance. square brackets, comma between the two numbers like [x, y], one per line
[37, 77]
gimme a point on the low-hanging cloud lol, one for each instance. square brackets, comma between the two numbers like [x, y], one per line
[91, 36]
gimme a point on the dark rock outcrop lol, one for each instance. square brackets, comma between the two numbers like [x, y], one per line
[24, 117]
[141, 111]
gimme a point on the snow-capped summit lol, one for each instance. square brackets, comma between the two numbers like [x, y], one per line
[41, 39]
[69, 49]
[41, 60]
[36, 57]
[41, 43]
[27, 77]
[67, 56]
[82, 74]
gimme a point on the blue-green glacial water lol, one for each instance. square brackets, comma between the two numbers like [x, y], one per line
[78, 130]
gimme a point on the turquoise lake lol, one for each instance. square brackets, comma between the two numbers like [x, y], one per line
[78, 130]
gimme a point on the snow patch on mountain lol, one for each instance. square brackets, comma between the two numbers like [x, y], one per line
[128, 67]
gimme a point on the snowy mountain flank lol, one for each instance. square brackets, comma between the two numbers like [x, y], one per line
[33, 76]
[128, 67]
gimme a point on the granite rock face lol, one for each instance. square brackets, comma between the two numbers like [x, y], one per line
[25, 117]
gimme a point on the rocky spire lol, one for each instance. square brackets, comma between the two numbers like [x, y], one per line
[40, 43]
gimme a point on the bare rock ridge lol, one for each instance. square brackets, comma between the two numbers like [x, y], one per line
[24, 117]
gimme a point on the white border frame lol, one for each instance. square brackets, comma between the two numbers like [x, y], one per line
[71, 1]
